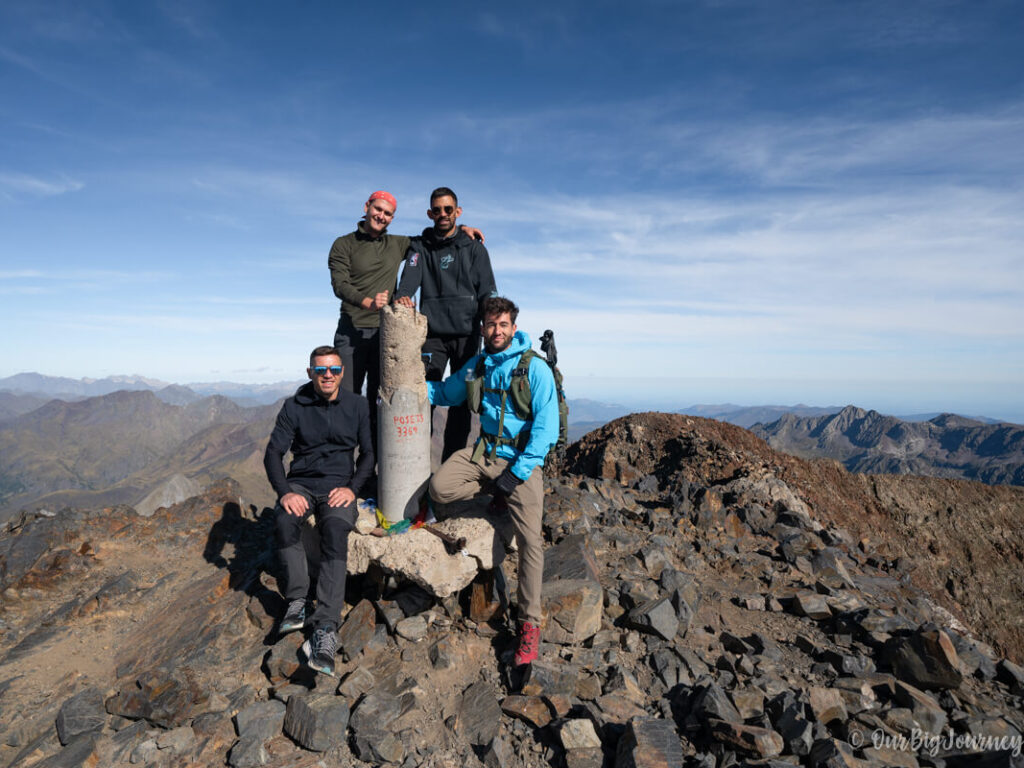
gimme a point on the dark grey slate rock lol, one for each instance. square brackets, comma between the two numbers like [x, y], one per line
[248, 753]
[655, 559]
[82, 713]
[500, 753]
[765, 647]
[391, 612]
[442, 653]
[552, 677]
[375, 736]
[829, 567]
[713, 702]
[811, 605]
[80, 752]
[734, 644]
[573, 608]
[850, 664]
[357, 629]
[636, 590]
[119, 746]
[831, 753]
[976, 658]
[414, 599]
[924, 708]
[1011, 674]
[261, 720]
[668, 666]
[177, 741]
[282, 660]
[164, 698]
[317, 721]
[571, 558]
[759, 742]
[656, 617]
[649, 743]
[479, 714]
[926, 659]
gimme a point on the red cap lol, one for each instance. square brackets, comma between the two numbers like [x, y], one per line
[380, 194]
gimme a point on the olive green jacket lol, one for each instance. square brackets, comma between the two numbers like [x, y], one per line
[362, 266]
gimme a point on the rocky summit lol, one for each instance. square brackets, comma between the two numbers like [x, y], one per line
[708, 602]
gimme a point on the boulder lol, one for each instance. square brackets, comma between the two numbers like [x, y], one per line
[656, 617]
[479, 714]
[419, 556]
[926, 659]
[357, 629]
[649, 743]
[317, 721]
[82, 713]
[573, 609]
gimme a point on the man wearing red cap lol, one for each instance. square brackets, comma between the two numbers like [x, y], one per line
[364, 270]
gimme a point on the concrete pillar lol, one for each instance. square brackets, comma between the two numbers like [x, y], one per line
[403, 414]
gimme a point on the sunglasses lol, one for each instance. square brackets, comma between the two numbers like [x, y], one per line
[321, 370]
[438, 209]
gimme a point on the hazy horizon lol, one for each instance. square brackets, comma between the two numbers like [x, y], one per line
[670, 394]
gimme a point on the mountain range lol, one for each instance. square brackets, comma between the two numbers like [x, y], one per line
[120, 447]
[870, 442]
[63, 388]
[155, 443]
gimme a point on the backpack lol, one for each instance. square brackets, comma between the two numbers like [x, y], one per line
[521, 396]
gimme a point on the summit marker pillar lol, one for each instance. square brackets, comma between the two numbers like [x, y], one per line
[403, 414]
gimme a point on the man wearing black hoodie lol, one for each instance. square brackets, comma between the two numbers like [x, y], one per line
[452, 272]
[321, 424]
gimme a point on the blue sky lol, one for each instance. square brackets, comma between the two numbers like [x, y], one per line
[707, 201]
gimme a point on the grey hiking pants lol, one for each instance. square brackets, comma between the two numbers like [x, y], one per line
[333, 525]
[462, 478]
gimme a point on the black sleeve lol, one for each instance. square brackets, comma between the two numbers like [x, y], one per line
[483, 276]
[273, 458]
[365, 462]
[412, 273]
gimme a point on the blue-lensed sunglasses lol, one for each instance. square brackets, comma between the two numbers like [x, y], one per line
[320, 370]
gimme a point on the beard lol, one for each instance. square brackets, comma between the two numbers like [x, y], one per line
[492, 349]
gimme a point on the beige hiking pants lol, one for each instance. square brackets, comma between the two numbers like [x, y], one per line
[461, 478]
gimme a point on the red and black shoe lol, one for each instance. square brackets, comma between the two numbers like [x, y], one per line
[529, 644]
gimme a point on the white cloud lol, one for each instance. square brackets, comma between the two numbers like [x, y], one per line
[39, 186]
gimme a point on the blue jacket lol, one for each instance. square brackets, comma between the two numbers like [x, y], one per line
[498, 375]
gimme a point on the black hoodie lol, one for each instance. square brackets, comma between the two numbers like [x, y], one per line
[321, 435]
[453, 275]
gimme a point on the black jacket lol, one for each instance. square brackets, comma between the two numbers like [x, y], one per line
[321, 435]
[453, 275]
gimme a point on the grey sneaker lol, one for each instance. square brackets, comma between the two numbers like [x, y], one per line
[294, 617]
[321, 649]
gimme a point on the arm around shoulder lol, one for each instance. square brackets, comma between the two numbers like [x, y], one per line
[483, 274]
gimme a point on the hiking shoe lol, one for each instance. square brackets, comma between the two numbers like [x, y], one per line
[321, 649]
[529, 644]
[294, 617]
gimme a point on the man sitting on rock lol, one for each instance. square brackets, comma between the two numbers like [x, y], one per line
[321, 424]
[518, 408]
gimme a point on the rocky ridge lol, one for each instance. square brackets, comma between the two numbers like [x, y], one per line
[705, 605]
[120, 447]
[867, 441]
